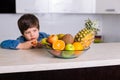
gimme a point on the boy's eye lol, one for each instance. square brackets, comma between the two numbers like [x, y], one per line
[34, 30]
[27, 32]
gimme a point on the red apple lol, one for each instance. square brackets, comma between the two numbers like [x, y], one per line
[52, 38]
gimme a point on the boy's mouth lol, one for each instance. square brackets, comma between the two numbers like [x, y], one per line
[33, 38]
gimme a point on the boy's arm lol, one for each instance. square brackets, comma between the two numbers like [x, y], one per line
[27, 44]
[9, 44]
[15, 44]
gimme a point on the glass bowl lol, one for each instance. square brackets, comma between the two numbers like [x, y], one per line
[66, 54]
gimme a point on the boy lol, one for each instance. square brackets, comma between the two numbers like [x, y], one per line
[28, 25]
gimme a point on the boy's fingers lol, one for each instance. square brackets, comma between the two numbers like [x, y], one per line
[34, 42]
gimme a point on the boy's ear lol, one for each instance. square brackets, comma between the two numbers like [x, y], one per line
[23, 36]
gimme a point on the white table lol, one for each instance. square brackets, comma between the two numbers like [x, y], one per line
[103, 54]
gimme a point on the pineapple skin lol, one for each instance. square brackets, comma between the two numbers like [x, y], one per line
[85, 38]
[87, 34]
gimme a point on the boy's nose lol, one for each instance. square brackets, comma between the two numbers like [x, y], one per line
[31, 34]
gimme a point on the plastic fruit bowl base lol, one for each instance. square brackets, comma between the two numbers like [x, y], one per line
[66, 54]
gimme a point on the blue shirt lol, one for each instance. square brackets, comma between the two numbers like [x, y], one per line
[12, 44]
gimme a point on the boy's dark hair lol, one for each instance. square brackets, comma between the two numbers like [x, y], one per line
[27, 21]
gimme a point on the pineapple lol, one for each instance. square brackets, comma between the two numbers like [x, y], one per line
[86, 35]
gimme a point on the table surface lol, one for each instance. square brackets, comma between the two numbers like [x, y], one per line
[101, 54]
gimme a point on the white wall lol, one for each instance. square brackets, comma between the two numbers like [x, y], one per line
[111, 28]
[8, 26]
[62, 23]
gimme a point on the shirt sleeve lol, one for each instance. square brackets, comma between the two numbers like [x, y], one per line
[9, 44]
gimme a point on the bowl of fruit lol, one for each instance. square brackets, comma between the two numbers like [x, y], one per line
[67, 46]
[66, 54]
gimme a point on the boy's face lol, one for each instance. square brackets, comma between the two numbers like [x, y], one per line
[31, 33]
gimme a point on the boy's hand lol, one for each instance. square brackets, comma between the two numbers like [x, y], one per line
[34, 43]
[39, 45]
[27, 44]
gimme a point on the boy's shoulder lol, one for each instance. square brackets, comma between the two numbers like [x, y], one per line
[43, 34]
[21, 39]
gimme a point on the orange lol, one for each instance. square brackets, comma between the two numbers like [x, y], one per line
[58, 45]
[78, 46]
[52, 38]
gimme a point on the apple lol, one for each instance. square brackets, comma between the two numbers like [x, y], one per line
[56, 52]
[68, 54]
[52, 38]
[69, 47]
